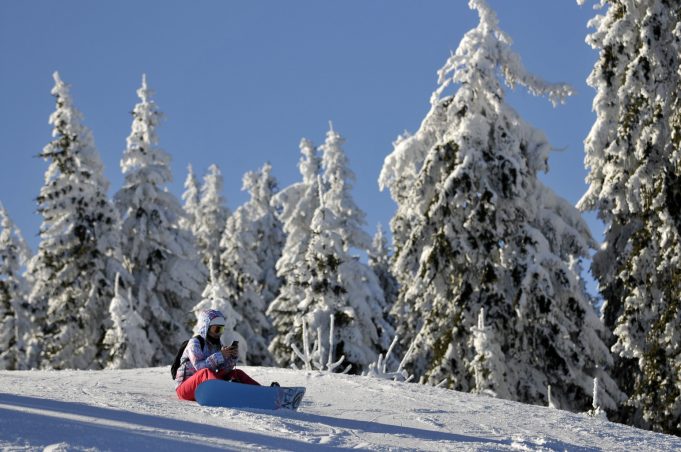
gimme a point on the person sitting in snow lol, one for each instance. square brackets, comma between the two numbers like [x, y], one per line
[212, 361]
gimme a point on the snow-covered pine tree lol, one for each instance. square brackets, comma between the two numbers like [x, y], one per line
[338, 179]
[330, 281]
[401, 169]
[488, 366]
[126, 341]
[161, 256]
[79, 252]
[295, 205]
[327, 280]
[191, 197]
[15, 324]
[211, 216]
[241, 274]
[483, 232]
[633, 154]
[364, 289]
[379, 261]
[270, 238]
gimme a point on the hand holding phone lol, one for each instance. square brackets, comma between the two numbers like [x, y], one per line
[231, 351]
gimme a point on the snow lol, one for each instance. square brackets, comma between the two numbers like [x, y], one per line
[137, 409]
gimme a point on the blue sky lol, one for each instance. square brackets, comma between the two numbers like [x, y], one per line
[242, 82]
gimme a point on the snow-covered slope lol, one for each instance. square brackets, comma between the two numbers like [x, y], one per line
[137, 409]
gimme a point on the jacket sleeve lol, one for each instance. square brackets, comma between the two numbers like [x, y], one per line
[228, 363]
[200, 359]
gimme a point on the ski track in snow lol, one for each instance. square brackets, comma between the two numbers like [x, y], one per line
[137, 409]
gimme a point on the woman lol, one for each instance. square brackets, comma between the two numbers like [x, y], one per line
[212, 361]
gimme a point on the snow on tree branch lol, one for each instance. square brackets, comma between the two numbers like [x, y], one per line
[307, 356]
[490, 49]
[379, 368]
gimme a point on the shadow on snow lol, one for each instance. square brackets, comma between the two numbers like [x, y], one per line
[55, 421]
[67, 422]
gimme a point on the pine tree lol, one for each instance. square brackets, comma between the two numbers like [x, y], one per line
[296, 205]
[325, 294]
[488, 366]
[269, 232]
[191, 201]
[211, 216]
[241, 276]
[15, 325]
[79, 254]
[483, 232]
[633, 154]
[329, 281]
[401, 169]
[364, 289]
[379, 261]
[333, 283]
[127, 342]
[161, 256]
[338, 179]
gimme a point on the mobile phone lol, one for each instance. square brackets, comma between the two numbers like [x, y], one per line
[235, 344]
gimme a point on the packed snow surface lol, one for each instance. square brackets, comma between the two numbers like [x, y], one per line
[138, 409]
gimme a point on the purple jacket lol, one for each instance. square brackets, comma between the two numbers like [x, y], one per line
[196, 358]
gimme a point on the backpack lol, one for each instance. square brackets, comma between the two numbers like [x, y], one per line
[178, 358]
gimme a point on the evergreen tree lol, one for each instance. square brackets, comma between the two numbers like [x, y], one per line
[161, 256]
[364, 289]
[126, 342]
[15, 325]
[296, 205]
[379, 261]
[242, 273]
[79, 255]
[269, 232]
[483, 232]
[633, 154]
[191, 201]
[488, 366]
[211, 216]
[338, 179]
[401, 169]
[330, 281]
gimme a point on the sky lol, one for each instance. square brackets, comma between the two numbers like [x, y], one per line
[240, 83]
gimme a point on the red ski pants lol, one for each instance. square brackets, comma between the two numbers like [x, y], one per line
[187, 388]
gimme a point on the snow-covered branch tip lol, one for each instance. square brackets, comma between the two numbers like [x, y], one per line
[552, 403]
[489, 37]
[308, 356]
[378, 369]
[597, 411]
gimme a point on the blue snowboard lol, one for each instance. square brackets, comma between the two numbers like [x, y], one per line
[237, 395]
